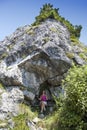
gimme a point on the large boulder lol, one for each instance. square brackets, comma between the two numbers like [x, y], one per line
[35, 54]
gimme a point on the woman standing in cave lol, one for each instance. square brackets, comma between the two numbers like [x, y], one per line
[43, 101]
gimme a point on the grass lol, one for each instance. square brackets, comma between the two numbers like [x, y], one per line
[30, 30]
[24, 109]
[25, 115]
[83, 56]
[3, 123]
[46, 39]
[1, 86]
[74, 40]
[50, 121]
[70, 55]
[4, 55]
[20, 122]
[53, 29]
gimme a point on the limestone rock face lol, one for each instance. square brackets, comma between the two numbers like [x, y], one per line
[9, 101]
[31, 58]
[35, 54]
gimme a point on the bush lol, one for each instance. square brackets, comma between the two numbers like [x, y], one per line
[48, 11]
[73, 114]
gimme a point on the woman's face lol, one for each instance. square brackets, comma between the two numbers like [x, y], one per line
[43, 92]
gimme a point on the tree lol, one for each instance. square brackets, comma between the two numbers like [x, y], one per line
[46, 8]
[47, 11]
[78, 30]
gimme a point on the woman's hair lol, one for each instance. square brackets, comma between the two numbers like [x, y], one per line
[44, 91]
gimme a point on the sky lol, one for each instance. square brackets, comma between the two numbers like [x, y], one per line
[17, 13]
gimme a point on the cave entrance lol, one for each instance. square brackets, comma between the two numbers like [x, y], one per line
[50, 102]
[46, 87]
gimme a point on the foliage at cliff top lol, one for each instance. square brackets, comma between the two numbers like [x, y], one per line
[49, 12]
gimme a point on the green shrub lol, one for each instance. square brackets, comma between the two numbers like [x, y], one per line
[74, 40]
[47, 11]
[73, 115]
[83, 56]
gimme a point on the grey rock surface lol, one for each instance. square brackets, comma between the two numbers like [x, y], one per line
[31, 56]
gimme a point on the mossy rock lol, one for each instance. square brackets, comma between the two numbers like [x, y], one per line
[70, 55]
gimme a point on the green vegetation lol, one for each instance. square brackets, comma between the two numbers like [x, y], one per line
[4, 55]
[83, 56]
[24, 109]
[25, 115]
[1, 85]
[3, 124]
[20, 122]
[49, 12]
[73, 113]
[46, 39]
[30, 30]
[53, 29]
[74, 40]
[70, 55]
[50, 122]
